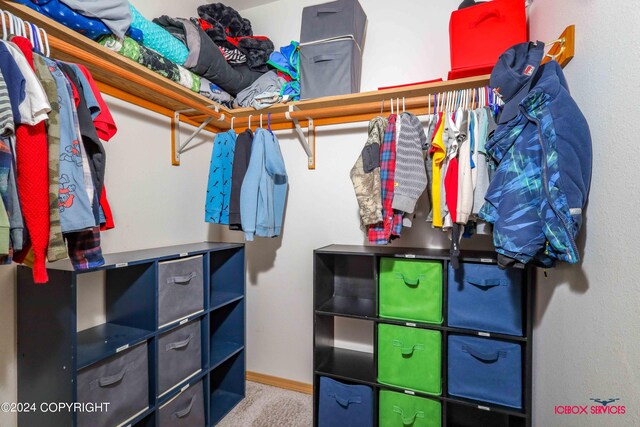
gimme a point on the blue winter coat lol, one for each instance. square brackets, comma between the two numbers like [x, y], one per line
[543, 174]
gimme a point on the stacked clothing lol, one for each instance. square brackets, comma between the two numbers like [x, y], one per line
[129, 48]
[205, 58]
[93, 19]
[52, 161]
[219, 46]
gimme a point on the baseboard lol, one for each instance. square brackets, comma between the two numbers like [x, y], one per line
[280, 382]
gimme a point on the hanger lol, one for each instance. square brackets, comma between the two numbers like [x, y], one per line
[4, 25]
[403, 110]
[47, 51]
[381, 107]
[391, 101]
[232, 119]
[250, 121]
[260, 120]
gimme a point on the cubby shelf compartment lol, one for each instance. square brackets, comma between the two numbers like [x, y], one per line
[227, 386]
[346, 276]
[347, 364]
[102, 341]
[52, 350]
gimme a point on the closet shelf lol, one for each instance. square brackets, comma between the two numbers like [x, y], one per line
[119, 76]
[124, 79]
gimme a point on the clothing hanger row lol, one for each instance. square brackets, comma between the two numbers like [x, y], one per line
[18, 27]
[260, 118]
[465, 99]
[450, 101]
[397, 105]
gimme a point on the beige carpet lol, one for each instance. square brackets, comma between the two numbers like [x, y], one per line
[267, 406]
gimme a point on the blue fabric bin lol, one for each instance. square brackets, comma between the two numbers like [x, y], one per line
[483, 297]
[485, 369]
[344, 405]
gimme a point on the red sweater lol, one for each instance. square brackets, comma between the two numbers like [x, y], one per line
[32, 174]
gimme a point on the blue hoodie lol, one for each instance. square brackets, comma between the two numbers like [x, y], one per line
[264, 188]
[543, 175]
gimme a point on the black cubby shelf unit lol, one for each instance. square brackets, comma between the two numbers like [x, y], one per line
[52, 353]
[346, 285]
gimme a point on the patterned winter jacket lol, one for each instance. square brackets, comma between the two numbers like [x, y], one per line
[365, 175]
[543, 175]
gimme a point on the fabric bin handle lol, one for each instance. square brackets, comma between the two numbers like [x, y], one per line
[483, 356]
[407, 351]
[180, 344]
[493, 13]
[409, 280]
[486, 284]
[181, 280]
[407, 421]
[327, 9]
[324, 58]
[345, 402]
[112, 379]
[184, 412]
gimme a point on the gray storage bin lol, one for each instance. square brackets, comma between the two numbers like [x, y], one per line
[179, 355]
[180, 289]
[184, 410]
[337, 18]
[330, 68]
[122, 381]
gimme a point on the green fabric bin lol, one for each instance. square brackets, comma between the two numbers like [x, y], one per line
[411, 290]
[410, 358]
[400, 410]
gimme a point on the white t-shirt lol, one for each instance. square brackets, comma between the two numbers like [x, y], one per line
[35, 106]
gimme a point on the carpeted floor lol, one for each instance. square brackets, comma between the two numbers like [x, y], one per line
[267, 406]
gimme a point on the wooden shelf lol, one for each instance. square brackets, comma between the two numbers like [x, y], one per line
[117, 75]
[127, 80]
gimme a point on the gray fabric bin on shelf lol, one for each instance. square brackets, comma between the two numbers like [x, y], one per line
[179, 355]
[330, 68]
[122, 381]
[337, 18]
[180, 289]
[184, 410]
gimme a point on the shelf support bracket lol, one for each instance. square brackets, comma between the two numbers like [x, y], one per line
[308, 142]
[177, 146]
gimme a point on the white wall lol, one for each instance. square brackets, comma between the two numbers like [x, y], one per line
[588, 328]
[586, 333]
[406, 42]
[154, 204]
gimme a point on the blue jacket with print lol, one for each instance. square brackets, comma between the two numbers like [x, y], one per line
[543, 174]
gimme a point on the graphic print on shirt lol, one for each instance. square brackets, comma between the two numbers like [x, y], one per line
[66, 193]
[73, 153]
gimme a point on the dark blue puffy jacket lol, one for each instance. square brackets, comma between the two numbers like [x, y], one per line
[543, 175]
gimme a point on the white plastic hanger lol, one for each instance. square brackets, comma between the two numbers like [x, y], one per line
[47, 51]
[232, 119]
[249, 124]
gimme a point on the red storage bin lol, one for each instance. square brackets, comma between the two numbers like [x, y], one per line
[479, 34]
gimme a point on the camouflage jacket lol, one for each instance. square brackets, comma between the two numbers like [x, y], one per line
[366, 181]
